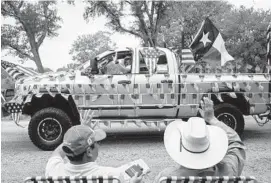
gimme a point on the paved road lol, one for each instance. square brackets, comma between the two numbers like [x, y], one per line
[20, 158]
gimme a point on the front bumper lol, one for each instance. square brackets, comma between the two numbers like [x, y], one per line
[15, 109]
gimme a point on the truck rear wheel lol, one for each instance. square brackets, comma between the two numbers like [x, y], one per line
[47, 128]
[231, 116]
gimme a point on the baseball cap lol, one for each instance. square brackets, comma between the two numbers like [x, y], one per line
[79, 137]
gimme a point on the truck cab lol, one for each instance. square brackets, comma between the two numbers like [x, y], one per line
[146, 91]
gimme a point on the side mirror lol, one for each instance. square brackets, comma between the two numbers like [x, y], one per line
[84, 73]
[94, 66]
[88, 72]
[92, 69]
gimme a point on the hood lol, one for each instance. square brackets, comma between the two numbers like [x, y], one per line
[64, 77]
[49, 82]
[17, 71]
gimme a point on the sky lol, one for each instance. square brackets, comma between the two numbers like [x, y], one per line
[54, 52]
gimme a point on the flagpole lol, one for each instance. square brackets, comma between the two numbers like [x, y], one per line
[268, 50]
[182, 39]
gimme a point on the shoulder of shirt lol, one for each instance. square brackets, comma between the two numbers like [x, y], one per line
[109, 171]
[55, 158]
[170, 171]
[108, 168]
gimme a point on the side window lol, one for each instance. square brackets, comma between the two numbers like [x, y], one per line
[143, 69]
[162, 65]
[162, 60]
[103, 62]
[122, 65]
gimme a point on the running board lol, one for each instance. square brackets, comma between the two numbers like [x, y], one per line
[158, 123]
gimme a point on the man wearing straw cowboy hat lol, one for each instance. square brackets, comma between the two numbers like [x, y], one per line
[203, 150]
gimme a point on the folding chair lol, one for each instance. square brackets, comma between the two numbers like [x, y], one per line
[73, 179]
[207, 179]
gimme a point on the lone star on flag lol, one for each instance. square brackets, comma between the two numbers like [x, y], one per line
[205, 39]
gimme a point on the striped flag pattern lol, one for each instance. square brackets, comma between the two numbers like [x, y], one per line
[70, 179]
[195, 179]
[188, 59]
[16, 71]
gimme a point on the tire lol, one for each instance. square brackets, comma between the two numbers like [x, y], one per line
[47, 128]
[231, 116]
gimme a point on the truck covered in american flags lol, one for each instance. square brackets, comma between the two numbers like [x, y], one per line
[144, 86]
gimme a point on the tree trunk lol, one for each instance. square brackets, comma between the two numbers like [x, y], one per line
[35, 52]
[145, 41]
[154, 40]
[38, 61]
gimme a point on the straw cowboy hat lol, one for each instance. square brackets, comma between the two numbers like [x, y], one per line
[194, 144]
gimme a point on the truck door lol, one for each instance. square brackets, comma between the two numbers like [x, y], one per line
[108, 92]
[155, 88]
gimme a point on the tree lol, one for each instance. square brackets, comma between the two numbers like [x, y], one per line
[186, 17]
[34, 21]
[243, 29]
[46, 69]
[62, 69]
[145, 17]
[86, 47]
[6, 81]
[245, 34]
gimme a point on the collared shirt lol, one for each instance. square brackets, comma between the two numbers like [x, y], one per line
[56, 167]
[231, 165]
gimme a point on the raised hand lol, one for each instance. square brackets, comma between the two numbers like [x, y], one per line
[207, 110]
[86, 117]
[136, 178]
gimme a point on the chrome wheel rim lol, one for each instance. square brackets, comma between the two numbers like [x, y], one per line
[49, 129]
[228, 119]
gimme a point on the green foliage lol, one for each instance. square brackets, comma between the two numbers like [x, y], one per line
[46, 69]
[243, 29]
[186, 17]
[86, 47]
[145, 17]
[62, 69]
[6, 81]
[245, 34]
[33, 21]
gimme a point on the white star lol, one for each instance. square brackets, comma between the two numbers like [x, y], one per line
[205, 39]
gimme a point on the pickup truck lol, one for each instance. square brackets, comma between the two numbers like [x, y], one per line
[155, 90]
[6, 95]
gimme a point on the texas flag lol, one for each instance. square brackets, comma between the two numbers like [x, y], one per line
[209, 45]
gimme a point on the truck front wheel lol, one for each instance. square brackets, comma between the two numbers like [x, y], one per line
[47, 128]
[231, 116]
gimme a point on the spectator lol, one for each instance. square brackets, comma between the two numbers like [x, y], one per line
[203, 150]
[80, 146]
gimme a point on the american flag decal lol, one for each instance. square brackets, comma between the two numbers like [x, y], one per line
[187, 56]
[16, 71]
[187, 60]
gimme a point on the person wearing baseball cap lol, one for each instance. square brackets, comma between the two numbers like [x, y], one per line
[203, 150]
[80, 146]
